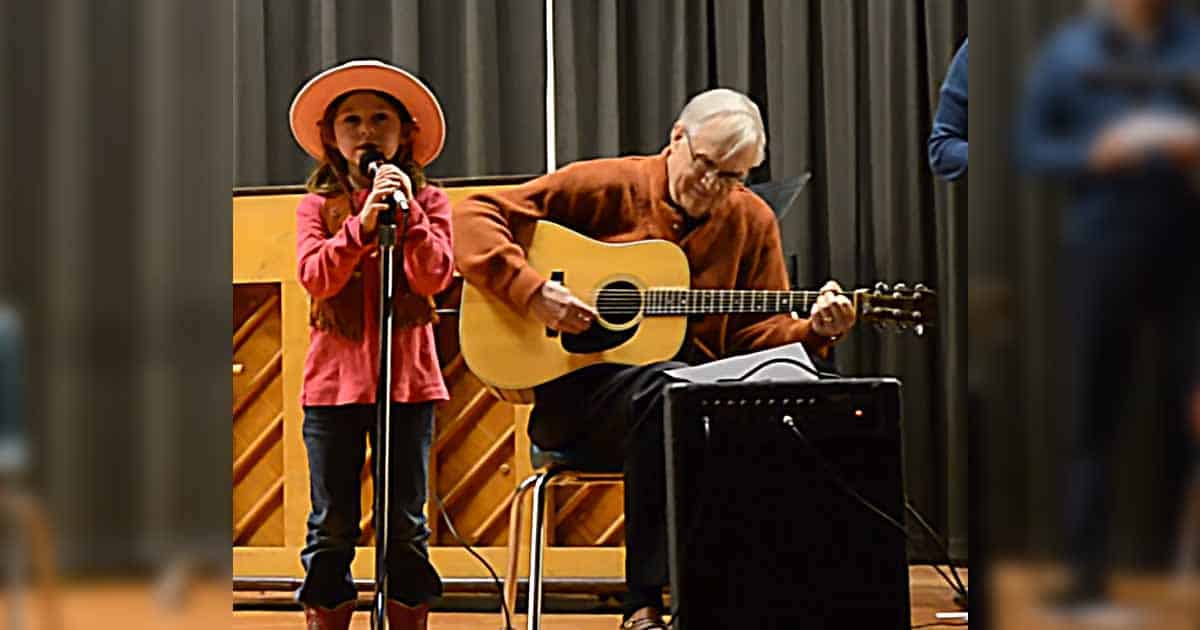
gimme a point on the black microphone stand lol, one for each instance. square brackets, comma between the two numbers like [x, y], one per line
[386, 225]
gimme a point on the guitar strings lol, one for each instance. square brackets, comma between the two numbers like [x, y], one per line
[619, 301]
[735, 292]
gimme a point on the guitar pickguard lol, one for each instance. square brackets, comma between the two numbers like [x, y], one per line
[597, 339]
[619, 304]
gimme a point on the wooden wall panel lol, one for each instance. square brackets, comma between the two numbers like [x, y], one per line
[474, 462]
[589, 515]
[257, 416]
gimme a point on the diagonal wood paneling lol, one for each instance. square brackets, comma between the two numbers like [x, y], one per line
[474, 468]
[258, 449]
[588, 515]
[258, 417]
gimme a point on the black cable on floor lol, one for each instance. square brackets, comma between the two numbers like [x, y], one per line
[955, 585]
[486, 564]
[942, 545]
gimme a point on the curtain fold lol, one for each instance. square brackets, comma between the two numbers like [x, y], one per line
[484, 60]
[116, 254]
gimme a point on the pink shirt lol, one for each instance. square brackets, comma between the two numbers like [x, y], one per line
[339, 371]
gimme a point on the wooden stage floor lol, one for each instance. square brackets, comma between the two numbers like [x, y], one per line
[1158, 603]
[929, 595]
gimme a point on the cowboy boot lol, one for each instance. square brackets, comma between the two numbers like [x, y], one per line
[401, 617]
[321, 618]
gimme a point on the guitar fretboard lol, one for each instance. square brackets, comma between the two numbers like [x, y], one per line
[706, 302]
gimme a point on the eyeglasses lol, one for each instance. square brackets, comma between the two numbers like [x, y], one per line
[723, 179]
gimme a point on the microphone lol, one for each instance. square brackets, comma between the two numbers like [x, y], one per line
[370, 162]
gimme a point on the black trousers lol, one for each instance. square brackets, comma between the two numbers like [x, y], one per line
[613, 414]
[1113, 289]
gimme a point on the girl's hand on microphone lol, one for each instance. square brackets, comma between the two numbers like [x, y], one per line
[388, 179]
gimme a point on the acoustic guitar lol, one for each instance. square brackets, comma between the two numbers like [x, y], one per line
[641, 292]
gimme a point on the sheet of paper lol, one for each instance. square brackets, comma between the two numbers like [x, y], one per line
[785, 363]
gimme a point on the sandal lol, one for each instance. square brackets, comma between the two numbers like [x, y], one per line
[643, 624]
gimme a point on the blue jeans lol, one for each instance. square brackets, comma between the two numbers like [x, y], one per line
[334, 437]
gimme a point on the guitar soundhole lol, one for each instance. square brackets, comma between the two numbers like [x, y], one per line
[619, 302]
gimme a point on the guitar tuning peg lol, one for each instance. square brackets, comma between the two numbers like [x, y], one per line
[881, 287]
[900, 288]
[920, 287]
[919, 329]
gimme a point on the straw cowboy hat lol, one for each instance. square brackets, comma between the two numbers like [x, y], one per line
[308, 108]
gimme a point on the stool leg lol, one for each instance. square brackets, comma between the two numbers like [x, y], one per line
[511, 578]
[537, 539]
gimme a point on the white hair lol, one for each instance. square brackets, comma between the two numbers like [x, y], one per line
[730, 118]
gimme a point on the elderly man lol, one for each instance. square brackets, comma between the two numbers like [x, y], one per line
[691, 194]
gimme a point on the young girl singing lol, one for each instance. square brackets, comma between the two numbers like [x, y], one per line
[337, 117]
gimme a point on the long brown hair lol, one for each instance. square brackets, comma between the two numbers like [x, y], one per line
[331, 177]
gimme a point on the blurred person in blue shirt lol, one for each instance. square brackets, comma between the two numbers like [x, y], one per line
[948, 139]
[1111, 112]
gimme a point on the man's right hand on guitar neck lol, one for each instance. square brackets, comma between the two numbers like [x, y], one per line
[558, 309]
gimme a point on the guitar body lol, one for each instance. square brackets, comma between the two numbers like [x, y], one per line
[512, 351]
[642, 294]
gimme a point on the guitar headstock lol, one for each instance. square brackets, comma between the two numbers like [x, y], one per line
[897, 306]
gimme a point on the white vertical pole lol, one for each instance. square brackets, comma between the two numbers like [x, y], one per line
[551, 160]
